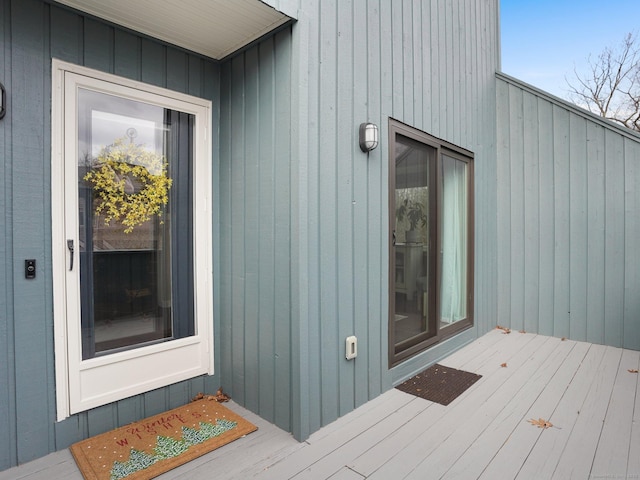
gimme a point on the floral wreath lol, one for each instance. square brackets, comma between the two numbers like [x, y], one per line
[130, 182]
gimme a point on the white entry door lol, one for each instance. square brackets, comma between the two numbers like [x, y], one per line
[131, 188]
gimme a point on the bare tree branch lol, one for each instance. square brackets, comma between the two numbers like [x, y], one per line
[611, 87]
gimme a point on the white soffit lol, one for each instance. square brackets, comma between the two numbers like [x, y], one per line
[214, 28]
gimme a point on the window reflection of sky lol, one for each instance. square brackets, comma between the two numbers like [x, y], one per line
[107, 127]
[112, 118]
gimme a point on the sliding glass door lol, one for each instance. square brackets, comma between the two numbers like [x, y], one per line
[430, 274]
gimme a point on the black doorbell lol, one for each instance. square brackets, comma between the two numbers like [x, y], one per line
[30, 268]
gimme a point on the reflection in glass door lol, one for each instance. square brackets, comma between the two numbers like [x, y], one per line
[130, 176]
[414, 259]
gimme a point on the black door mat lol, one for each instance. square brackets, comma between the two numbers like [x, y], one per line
[439, 384]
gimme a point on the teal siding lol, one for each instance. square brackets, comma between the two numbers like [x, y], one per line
[300, 213]
[568, 208]
[31, 33]
[255, 213]
[431, 65]
[7, 364]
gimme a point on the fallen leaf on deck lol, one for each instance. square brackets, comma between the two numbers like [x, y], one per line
[540, 423]
[563, 339]
[220, 396]
[633, 370]
[503, 365]
[504, 329]
[522, 331]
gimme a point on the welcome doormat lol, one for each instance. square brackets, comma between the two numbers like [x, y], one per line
[147, 448]
[439, 384]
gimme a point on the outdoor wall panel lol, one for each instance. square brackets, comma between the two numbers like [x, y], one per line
[28, 159]
[560, 215]
[255, 213]
[531, 192]
[631, 324]
[32, 32]
[595, 207]
[7, 360]
[285, 262]
[430, 65]
[574, 195]
[546, 293]
[616, 250]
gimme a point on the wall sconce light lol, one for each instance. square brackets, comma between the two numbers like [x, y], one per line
[368, 136]
[3, 101]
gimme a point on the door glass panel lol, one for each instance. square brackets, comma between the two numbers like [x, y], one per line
[126, 210]
[453, 288]
[413, 320]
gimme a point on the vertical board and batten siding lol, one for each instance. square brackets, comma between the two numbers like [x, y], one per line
[430, 64]
[301, 213]
[568, 229]
[255, 225]
[31, 33]
[7, 400]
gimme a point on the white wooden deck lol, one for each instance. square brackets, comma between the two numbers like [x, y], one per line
[585, 390]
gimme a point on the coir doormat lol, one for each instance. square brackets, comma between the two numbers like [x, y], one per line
[439, 384]
[157, 444]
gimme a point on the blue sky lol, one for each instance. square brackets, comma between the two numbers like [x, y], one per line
[543, 40]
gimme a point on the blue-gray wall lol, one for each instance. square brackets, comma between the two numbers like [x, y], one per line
[430, 64]
[31, 33]
[255, 225]
[301, 214]
[568, 220]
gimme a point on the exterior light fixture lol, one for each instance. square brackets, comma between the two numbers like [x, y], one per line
[368, 136]
[3, 101]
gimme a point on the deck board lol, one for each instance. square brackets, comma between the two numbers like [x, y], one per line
[633, 465]
[510, 427]
[577, 456]
[545, 455]
[496, 417]
[585, 390]
[612, 453]
[459, 412]
[517, 445]
[326, 466]
[322, 445]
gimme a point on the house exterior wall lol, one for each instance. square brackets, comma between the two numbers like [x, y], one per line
[568, 220]
[31, 33]
[430, 64]
[255, 224]
[300, 213]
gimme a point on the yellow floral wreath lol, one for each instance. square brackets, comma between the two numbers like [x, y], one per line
[131, 183]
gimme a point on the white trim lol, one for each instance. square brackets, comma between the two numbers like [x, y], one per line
[83, 384]
[58, 257]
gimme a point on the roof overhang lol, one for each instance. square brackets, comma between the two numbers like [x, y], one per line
[214, 28]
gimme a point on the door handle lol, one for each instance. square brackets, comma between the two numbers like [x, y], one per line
[394, 238]
[70, 247]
